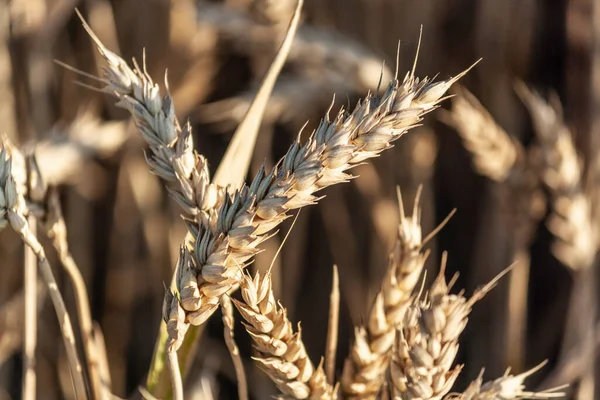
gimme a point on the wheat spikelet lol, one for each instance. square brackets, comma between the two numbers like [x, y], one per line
[282, 355]
[561, 170]
[364, 370]
[507, 387]
[427, 342]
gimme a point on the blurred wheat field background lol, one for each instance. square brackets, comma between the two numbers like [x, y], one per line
[517, 158]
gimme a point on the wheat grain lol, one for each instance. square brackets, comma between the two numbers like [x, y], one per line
[364, 370]
[282, 355]
[427, 342]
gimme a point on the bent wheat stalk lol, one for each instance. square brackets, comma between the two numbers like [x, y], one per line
[13, 210]
[282, 355]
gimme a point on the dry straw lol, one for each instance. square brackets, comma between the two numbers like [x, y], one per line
[560, 167]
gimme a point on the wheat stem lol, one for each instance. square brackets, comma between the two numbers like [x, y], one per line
[59, 305]
[332, 327]
[173, 365]
[57, 231]
[238, 364]
[30, 320]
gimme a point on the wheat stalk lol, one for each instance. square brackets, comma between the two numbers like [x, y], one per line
[13, 211]
[427, 342]
[281, 352]
[364, 370]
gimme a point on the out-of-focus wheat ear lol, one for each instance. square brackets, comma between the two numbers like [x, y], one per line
[13, 211]
[315, 50]
[560, 166]
[493, 150]
[506, 387]
[233, 167]
[427, 341]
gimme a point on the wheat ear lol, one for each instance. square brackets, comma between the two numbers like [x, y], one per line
[364, 370]
[507, 387]
[281, 352]
[427, 342]
[494, 151]
[570, 220]
[172, 157]
[246, 217]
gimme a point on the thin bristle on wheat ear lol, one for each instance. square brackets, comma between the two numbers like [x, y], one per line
[560, 166]
[364, 370]
[281, 352]
[427, 342]
[506, 387]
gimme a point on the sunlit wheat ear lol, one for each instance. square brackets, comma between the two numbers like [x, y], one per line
[364, 370]
[506, 387]
[427, 341]
[172, 155]
[281, 352]
[246, 217]
[560, 167]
